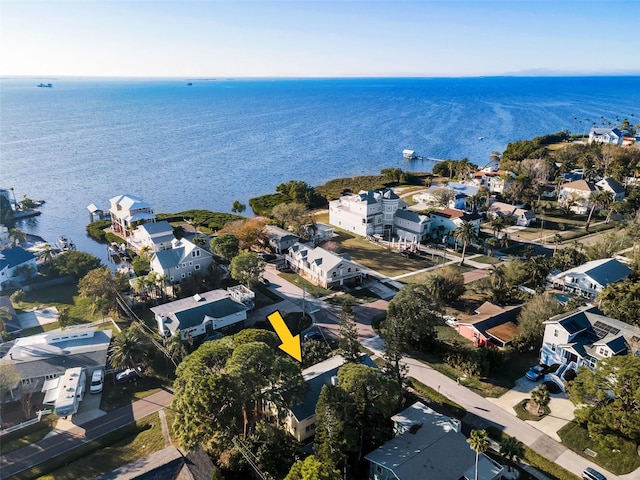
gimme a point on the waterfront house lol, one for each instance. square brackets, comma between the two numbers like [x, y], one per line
[205, 313]
[460, 193]
[607, 136]
[16, 265]
[583, 337]
[576, 195]
[319, 233]
[492, 325]
[609, 184]
[300, 420]
[521, 217]
[279, 239]
[127, 212]
[367, 213]
[157, 236]
[445, 221]
[429, 446]
[494, 181]
[323, 267]
[47, 356]
[183, 260]
[590, 278]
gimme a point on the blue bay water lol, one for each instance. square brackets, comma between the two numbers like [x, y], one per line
[204, 146]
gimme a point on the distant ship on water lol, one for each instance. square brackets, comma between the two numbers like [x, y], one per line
[45, 85]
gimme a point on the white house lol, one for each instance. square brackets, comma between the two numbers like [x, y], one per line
[521, 216]
[429, 446]
[322, 267]
[280, 239]
[495, 181]
[583, 337]
[589, 279]
[183, 260]
[411, 226]
[609, 184]
[15, 265]
[319, 233]
[205, 313]
[608, 136]
[157, 236]
[445, 221]
[576, 195]
[460, 193]
[127, 212]
[300, 420]
[366, 213]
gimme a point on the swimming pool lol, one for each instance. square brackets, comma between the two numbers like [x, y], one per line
[562, 299]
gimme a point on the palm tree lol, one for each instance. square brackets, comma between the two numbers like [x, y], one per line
[145, 252]
[129, 349]
[557, 239]
[465, 234]
[479, 442]
[5, 316]
[18, 236]
[597, 199]
[540, 398]
[511, 450]
[46, 254]
[497, 225]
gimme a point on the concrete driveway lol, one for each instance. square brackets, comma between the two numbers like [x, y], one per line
[561, 407]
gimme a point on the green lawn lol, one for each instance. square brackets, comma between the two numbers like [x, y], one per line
[486, 259]
[28, 435]
[436, 400]
[422, 276]
[523, 414]
[116, 395]
[312, 289]
[106, 454]
[576, 438]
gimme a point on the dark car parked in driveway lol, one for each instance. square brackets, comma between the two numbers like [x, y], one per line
[128, 375]
[535, 373]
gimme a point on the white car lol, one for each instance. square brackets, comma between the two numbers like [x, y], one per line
[97, 380]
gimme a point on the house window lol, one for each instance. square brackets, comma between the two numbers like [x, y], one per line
[188, 274]
[191, 264]
[182, 276]
[378, 469]
[195, 253]
[553, 347]
[555, 332]
[196, 267]
[310, 427]
[27, 381]
[184, 265]
[51, 376]
[171, 279]
[349, 270]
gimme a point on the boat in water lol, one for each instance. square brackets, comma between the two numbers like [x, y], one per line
[65, 243]
[45, 85]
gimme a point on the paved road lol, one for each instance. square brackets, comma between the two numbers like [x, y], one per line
[18, 461]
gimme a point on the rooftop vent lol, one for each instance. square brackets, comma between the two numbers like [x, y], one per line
[198, 298]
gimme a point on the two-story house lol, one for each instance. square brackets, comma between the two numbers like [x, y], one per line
[322, 267]
[157, 236]
[583, 337]
[521, 217]
[183, 260]
[609, 184]
[127, 212]
[300, 420]
[279, 239]
[205, 313]
[576, 195]
[367, 213]
[589, 279]
[429, 446]
[436, 195]
[445, 221]
[494, 181]
[607, 136]
[411, 226]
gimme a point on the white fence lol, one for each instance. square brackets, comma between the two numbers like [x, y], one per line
[33, 421]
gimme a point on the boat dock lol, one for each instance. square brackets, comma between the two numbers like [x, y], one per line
[411, 155]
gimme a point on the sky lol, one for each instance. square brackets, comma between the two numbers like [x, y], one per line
[317, 38]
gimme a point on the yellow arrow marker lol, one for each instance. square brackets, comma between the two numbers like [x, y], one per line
[290, 344]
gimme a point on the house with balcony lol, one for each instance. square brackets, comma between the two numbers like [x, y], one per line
[495, 181]
[127, 212]
[521, 217]
[182, 261]
[492, 325]
[157, 236]
[16, 265]
[589, 279]
[583, 337]
[445, 221]
[205, 313]
[366, 214]
[300, 420]
[434, 197]
[429, 446]
[411, 227]
[576, 195]
[606, 136]
[323, 267]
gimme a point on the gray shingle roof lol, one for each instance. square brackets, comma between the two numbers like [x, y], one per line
[157, 227]
[12, 257]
